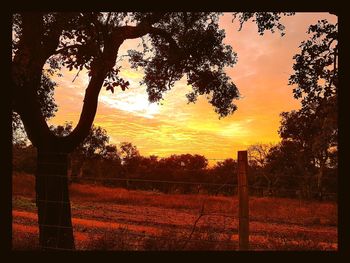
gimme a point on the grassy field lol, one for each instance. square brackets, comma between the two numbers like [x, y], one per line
[119, 219]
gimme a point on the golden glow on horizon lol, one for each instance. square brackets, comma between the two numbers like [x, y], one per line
[174, 126]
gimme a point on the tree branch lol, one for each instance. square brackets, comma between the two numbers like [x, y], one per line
[26, 76]
[144, 28]
[100, 66]
[61, 50]
[201, 214]
[51, 40]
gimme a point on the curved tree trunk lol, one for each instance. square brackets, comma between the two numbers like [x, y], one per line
[52, 199]
[34, 48]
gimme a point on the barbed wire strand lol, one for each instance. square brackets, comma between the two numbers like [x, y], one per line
[168, 182]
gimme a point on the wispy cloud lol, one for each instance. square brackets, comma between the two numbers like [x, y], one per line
[174, 126]
[132, 102]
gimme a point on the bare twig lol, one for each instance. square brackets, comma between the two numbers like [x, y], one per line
[76, 75]
[201, 213]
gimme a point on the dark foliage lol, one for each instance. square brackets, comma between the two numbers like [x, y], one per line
[314, 127]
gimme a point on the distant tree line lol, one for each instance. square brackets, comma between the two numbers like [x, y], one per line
[274, 170]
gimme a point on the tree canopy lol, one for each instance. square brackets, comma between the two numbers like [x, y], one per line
[95, 144]
[175, 44]
[314, 128]
[316, 67]
[315, 82]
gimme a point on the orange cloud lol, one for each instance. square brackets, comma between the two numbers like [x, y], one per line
[173, 127]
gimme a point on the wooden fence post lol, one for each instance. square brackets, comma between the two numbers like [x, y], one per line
[243, 201]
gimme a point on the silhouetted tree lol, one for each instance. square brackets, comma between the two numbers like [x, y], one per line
[257, 157]
[95, 143]
[286, 163]
[315, 126]
[94, 146]
[128, 151]
[224, 171]
[62, 130]
[110, 152]
[185, 161]
[175, 45]
[130, 157]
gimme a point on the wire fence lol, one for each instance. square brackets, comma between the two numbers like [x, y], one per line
[180, 237]
[282, 185]
[203, 220]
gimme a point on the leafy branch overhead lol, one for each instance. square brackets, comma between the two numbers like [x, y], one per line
[315, 82]
[175, 45]
[314, 128]
[264, 20]
[316, 73]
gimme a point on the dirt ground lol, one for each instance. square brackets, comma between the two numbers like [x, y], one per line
[92, 220]
[118, 219]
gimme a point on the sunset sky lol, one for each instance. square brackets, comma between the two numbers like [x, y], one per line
[175, 127]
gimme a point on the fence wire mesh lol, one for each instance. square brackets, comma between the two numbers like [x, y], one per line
[115, 213]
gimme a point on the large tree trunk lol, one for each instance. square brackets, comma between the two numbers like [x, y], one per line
[54, 211]
[35, 47]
